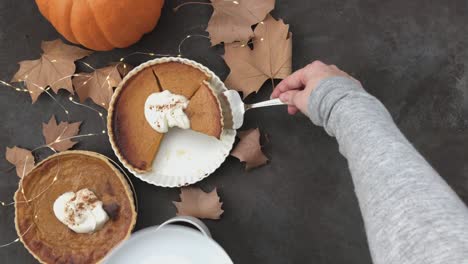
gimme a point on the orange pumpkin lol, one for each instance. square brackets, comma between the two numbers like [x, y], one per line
[102, 24]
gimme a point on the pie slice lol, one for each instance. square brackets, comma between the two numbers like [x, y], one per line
[204, 112]
[133, 139]
[44, 236]
[179, 78]
[137, 141]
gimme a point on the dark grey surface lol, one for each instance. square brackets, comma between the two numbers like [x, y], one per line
[301, 207]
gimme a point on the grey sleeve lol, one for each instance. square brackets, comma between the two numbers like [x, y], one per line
[411, 215]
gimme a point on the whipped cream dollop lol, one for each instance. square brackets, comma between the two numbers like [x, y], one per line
[82, 211]
[164, 110]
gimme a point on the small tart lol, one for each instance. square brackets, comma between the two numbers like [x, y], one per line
[45, 237]
[132, 138]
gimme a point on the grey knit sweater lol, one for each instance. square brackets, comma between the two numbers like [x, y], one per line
[411, 215]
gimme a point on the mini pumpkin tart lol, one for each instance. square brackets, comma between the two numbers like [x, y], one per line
[133, 137]
[73, 207]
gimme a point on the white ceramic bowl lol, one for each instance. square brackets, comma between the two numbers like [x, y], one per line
[170, 244]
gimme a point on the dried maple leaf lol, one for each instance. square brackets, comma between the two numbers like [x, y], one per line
[53, 69]
[270, 57]
[23, 160]
[123, 68]
[195, 202]
[57, 136]
[249, 150]
[232, 20]
[98, 85]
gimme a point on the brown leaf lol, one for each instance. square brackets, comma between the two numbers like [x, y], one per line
[249, 150]
[58, 136]
[98, 85]
[123, 68]
[195, 202]
[23, 160]
[232, 20]
[52, 69]
[269, 59]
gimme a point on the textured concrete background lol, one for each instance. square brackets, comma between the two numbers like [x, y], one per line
[301, 207]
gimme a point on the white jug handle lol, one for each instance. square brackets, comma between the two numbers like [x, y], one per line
[190, 220]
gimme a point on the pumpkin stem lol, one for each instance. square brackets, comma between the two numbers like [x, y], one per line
[190, 3]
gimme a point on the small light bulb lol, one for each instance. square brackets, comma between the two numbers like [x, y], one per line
[151, 54]
[103, 131]
[70, 98]
[122, 59]
[100, 114]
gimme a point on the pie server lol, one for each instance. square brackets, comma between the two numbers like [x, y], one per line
[234, 117]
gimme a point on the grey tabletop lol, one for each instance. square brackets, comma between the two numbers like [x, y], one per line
[301, 207]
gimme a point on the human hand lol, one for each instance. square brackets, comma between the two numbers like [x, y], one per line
[295, 89]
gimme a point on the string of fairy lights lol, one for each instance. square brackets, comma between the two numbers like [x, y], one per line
[175, 9]
[59, 139]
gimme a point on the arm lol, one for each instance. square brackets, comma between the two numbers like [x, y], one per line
[410, 213]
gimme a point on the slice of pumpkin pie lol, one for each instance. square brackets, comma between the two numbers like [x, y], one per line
[204, 112]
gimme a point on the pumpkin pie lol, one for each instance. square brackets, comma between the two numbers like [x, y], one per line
[48, 239]
[134, 140]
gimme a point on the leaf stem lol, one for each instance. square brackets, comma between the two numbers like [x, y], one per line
[189, 3]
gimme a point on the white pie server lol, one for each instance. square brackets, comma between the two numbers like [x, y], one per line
[238, 108]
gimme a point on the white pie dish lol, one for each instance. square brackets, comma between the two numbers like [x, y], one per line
[184, 157]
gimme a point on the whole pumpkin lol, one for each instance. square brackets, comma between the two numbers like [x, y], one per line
[102, 24]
